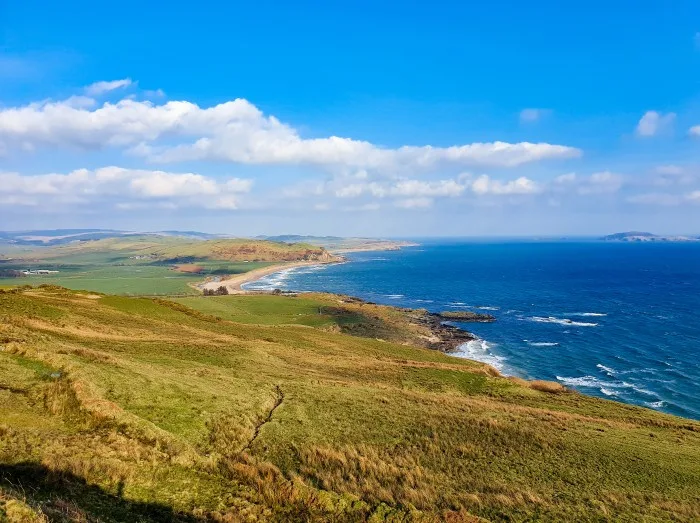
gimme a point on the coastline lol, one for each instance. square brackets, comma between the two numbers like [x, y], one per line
[234, 283]
[380, 246]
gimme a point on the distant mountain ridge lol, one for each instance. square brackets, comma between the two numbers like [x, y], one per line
[638, 236]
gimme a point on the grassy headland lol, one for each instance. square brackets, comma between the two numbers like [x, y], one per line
[149, 264]
[264, 408]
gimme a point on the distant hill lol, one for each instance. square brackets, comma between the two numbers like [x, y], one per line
[340, 244]
[181, 249]
[637, 236]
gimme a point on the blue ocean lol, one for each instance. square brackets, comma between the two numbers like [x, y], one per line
[615, 320]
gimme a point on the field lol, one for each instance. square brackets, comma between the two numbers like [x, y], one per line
[136, 409]
[147, 265]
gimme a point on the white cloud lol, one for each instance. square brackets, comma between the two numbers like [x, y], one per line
[600, 183]
[99, 88]
[694, 131]
[566, 178]
[693, 197]
[533, 115]
[239, 132]
[653, 122]
[122, 187]
[402, 188]
[414, 203]
[486, 185]
[421, 188]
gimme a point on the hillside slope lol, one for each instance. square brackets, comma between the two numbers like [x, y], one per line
[129, 409]
[173, 247]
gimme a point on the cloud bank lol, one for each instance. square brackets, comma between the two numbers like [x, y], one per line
[235, 131]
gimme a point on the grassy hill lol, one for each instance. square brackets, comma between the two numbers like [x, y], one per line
[174, 247]
[134, 409]
[149, 264]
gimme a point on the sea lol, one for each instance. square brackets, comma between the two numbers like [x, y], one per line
[616, 320]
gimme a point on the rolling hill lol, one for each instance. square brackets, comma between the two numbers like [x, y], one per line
[135, 409]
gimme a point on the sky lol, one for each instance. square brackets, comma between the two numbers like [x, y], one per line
[439, 118]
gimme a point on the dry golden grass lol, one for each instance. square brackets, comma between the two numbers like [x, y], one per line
[547, 386]
[133, 409]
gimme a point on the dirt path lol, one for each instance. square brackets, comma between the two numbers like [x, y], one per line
[256, 433]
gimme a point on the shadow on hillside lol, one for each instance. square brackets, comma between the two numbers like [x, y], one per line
[66, 497]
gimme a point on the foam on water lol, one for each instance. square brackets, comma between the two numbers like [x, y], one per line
[588, 314]
[609, 388]
[541, 343]
[561, 321]
[480, 350]
[278, 280]
[607, 370]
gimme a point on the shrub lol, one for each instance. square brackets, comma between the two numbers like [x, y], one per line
[547, 386]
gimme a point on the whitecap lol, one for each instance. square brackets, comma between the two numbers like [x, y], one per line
[561, 321]
[655, 404]
[488, 308]
[541, 343]
[394, 296]
[588, 314]
[608, 392]
[607, 370]
[593, 383]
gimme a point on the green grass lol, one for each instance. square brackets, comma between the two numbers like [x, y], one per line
[163, 412]
[143, 265]
[263, 309]
[103, 273]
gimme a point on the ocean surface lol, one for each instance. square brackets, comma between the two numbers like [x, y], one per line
[616, 320]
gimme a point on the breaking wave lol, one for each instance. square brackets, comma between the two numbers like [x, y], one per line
[541, 343]
[561, 321]
[480, 350]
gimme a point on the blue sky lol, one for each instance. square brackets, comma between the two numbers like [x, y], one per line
[439, 118]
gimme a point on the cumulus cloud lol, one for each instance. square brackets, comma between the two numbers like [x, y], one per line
[402, 188]
[99, 88]
[122, 187]
[235, 131]
[653, 122]
[533, 115]
[486, 185]
[596, 183]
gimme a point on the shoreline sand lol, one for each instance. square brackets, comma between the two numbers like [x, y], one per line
[234, 283]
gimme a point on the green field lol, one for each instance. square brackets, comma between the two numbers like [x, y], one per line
[111, 266]
[96, 274]
[134, 409]
[264, 309]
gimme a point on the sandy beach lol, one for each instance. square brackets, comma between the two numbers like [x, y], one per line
[234, 283]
